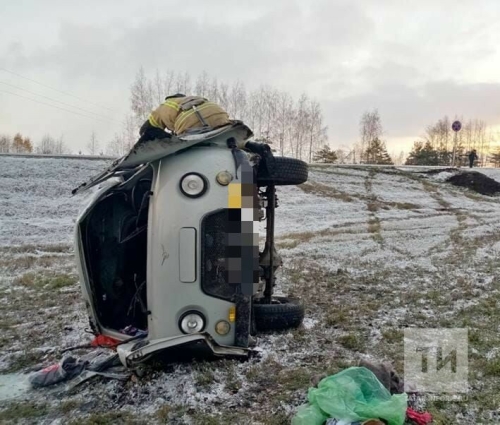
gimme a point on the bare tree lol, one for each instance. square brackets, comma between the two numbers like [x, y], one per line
[284, 121]
[129, 134]
[93, 144]
[317, 132]
[141, 97]
[237, 101]
[224, 95]
[157, 89]
[202, 85]
[183, 83]
[168, 84]
[301, 125]
[401, 158]
[60, 146]
[47, 145]
[482, 140]
[269, 107]
[370, 129]
[5, 143]
[213, 90]
[295, 127]
[115, 147]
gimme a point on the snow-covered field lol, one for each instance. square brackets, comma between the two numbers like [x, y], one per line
[371, 251]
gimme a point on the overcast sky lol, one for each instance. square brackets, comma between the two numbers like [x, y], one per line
[415, 61]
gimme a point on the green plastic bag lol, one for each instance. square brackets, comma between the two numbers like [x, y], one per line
[355, 394]
[309, 414]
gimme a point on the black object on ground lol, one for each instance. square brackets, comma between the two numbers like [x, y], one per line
[386, 374]
[477, 182]
[282, 313]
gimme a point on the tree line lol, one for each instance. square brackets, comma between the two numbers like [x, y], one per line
[294, 127]
[16, 144]
[440, 145]
[371, 148]
[48, 145]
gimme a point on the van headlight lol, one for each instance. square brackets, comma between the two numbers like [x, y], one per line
[224, 178]
[193, 185]
[222, 327]
[192, 322]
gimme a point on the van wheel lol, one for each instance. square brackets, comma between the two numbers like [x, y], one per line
[282, 313]
[283, 171]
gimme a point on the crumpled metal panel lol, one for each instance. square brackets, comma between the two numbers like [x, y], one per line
[153, 150]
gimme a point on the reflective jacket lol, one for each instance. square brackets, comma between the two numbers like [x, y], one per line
[179, 114]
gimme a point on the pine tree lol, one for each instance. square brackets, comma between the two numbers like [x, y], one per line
[376, 153]
[423, 154]
[325, 155]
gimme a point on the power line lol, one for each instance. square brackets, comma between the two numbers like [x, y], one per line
[52, 88]
[55, 100]
[53, 106]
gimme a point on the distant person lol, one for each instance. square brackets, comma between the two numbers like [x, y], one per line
[472, 157]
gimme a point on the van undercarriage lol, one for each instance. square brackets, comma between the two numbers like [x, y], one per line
[114, 236]
[168, 248]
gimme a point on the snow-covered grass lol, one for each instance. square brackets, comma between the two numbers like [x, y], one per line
[370, 250]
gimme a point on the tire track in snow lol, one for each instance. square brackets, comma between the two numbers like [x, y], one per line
[461, 249]
[374, 226]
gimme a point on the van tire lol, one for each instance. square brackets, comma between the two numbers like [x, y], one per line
[283, 171]
[282, 313]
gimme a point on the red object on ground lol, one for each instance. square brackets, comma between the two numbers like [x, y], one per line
[419, 418]
[104, 341]
[50, 368]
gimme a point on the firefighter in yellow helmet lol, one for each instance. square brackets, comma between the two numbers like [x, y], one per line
[180, 114]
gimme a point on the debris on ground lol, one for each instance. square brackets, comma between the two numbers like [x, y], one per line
[368, 422]
[405, 260]
[386, 374]
[133, 331]
[371, 394]
[67, 368]
[101, 341]
[355, 394]
[104, 341]
[418, 418]
[477, 182]
[88, 374]
[79, 370]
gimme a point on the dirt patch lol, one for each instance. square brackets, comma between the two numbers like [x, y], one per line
[477, 182]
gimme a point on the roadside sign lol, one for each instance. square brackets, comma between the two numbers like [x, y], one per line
[456, 126]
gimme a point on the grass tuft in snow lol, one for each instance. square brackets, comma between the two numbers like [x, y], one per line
[18, 411]
[49, 283]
